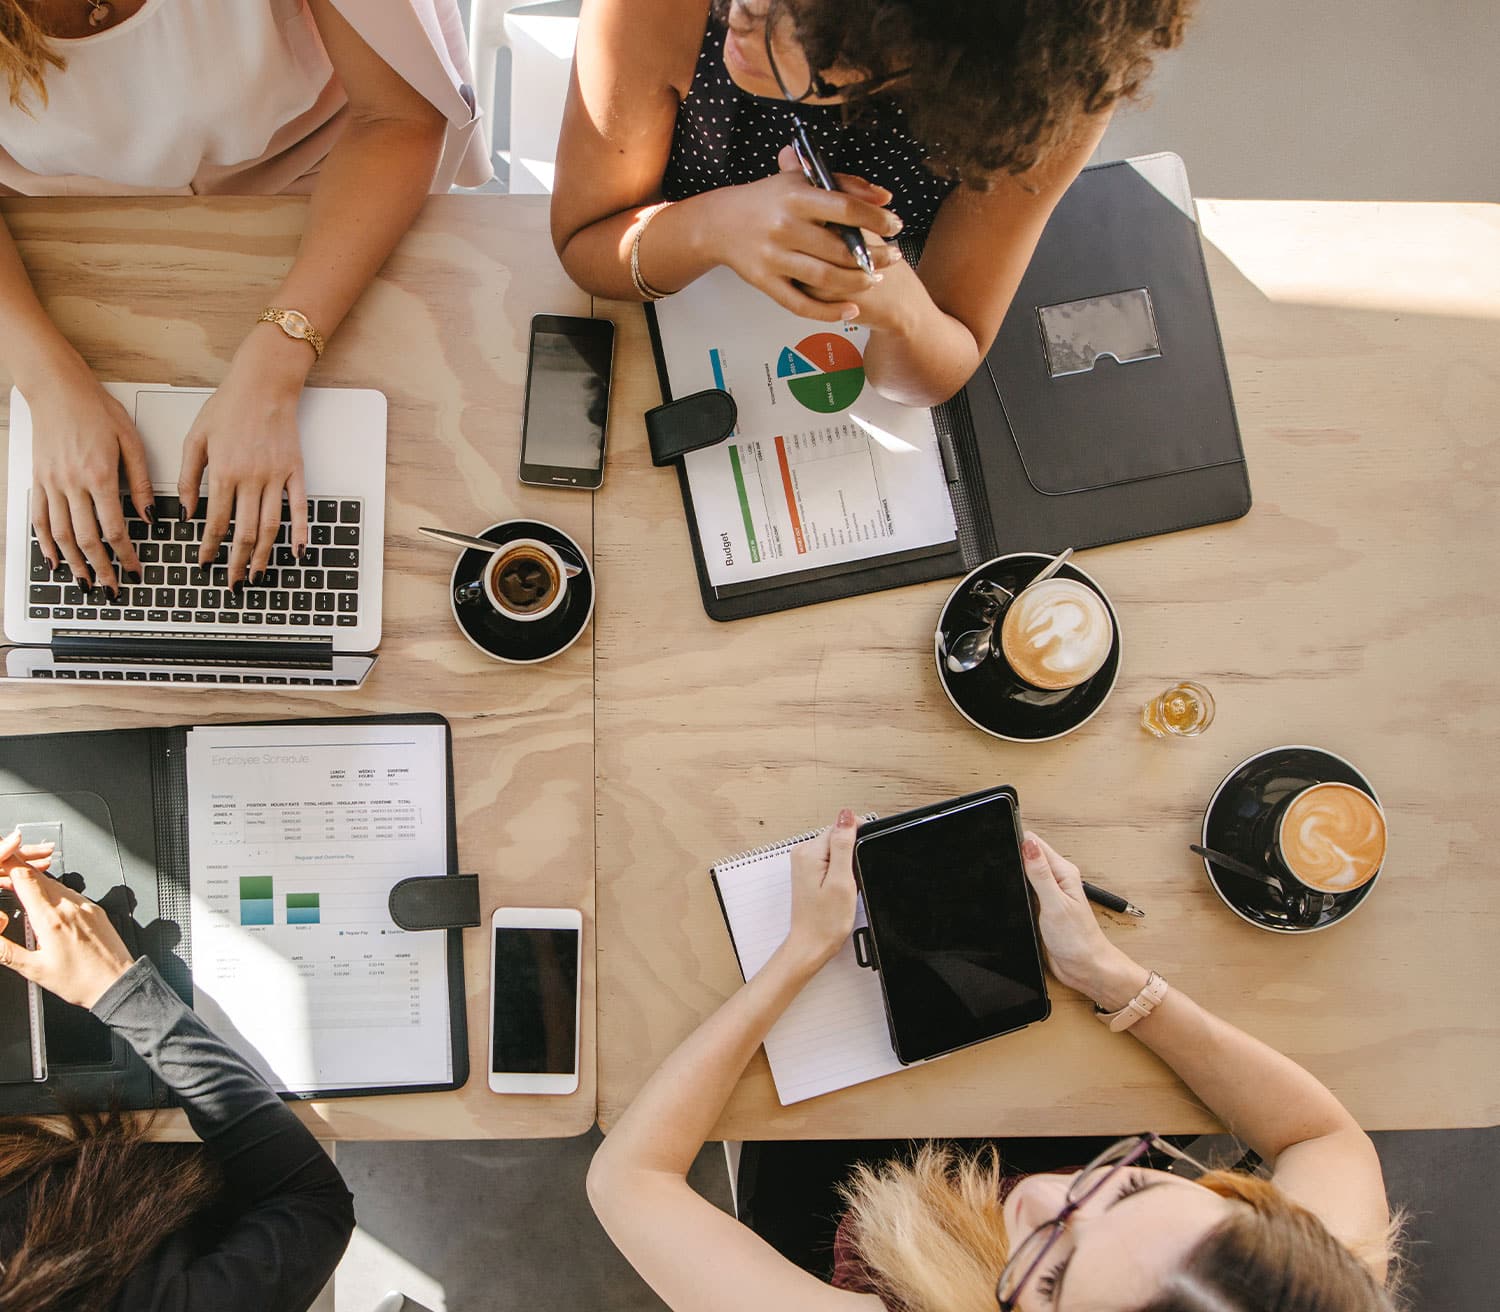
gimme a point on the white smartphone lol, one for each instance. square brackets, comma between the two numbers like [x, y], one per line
[536, 982]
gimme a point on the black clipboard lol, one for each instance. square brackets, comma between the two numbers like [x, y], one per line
[1041, 452]
[141, 777]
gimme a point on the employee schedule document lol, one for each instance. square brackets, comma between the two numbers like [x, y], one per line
[821, 470]
[296, 834]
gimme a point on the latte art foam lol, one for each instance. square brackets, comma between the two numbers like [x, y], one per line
[1056, 634]
[1332, 837]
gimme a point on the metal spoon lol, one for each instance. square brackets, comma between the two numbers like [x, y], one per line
[970, 650]
[1238, 867]
[464, 540]
[484, 545]
[1051, 567]
[1300, 909]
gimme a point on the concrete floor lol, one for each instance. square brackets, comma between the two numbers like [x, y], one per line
[1380, 100]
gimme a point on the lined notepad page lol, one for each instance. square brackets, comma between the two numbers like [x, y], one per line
[834, 1034]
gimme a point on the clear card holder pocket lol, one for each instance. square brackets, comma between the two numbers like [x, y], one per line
[1077, 334]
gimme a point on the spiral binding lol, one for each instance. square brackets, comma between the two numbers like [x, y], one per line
[754, 854]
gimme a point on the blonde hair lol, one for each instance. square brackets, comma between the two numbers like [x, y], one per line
[25, 53]
[928, 1236]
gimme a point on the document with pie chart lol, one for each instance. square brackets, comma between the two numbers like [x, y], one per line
[821, 470]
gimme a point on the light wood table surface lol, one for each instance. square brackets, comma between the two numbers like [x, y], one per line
[1354, 608]
[163, 291]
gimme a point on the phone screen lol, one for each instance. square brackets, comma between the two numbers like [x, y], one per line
[567, 399]
[950, 912]
[536, 1001]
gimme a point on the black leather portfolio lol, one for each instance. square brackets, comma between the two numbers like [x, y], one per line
[121, 797]
[1101, 413]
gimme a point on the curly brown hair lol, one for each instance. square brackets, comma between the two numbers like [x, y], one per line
[992, 86]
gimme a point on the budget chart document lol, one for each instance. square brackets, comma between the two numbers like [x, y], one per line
[296, 834]
[822, 470]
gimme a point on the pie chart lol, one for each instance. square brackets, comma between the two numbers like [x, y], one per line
[825, 372]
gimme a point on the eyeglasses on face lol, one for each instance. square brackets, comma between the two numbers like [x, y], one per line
[1028, 1257]
[818, 87]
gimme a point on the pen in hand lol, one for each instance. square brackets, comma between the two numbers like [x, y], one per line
[817, 175]
[1110, 901]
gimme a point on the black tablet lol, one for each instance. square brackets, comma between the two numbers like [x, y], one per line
[952, 923]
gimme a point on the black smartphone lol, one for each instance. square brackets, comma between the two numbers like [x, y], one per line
[567, 401]
[952, 923]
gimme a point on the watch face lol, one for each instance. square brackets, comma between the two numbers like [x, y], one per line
[296, 323]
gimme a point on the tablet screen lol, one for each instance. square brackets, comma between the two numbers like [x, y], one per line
[950, 914]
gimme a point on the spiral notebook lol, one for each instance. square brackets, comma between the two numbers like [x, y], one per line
[834, 1033]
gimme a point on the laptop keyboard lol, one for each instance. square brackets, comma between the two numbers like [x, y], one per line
[319, 591]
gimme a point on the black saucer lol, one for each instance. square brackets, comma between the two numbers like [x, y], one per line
[991, 697]
[1237, 824]
[523, 642]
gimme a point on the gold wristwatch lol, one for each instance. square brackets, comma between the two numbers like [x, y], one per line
[295, 324]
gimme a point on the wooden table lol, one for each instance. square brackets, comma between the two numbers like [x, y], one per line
[163, 290]
[1355, 608]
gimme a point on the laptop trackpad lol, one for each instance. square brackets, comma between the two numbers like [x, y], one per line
[163, 418]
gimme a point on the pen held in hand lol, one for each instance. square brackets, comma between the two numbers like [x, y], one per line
[1110, 901]
[817, 175]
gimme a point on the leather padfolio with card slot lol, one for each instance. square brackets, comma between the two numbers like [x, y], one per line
[1102, 412]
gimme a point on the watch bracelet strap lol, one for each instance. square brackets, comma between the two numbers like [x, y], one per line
[272, 314]
[1138, 1008]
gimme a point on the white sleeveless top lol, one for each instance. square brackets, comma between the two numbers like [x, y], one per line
[180, 91]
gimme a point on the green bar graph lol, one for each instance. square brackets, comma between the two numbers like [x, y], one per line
[257, 904]
[302, 909]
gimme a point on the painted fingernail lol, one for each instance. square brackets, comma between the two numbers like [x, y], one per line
[1032, 849]
[260, 577]
[150, 514]
[239, 585]
[846, 818]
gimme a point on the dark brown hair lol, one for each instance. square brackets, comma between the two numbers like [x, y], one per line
[993, 85]
[25, 53]
[98, 1198]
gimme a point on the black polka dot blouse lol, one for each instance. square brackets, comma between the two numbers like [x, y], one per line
[725, 136]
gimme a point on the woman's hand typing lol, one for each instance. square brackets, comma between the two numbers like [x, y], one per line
[80, 438]
[247, 437]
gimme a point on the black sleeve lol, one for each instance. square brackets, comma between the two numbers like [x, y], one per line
[293, 1213]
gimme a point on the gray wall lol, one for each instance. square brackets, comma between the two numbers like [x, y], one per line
[1380, 100]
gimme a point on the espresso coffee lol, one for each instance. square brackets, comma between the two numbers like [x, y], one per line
[1332, 837]
[1056, 634]
[525, 579]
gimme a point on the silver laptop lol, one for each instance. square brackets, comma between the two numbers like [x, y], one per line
[312, 623]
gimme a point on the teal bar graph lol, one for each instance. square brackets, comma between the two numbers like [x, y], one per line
[257, 900]
[302, 909]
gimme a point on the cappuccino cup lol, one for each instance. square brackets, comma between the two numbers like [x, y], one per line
[1330, 838]
[1056, 634]
[525, 581]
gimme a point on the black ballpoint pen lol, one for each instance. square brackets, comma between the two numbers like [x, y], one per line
[816, 172]
[1110, 901]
